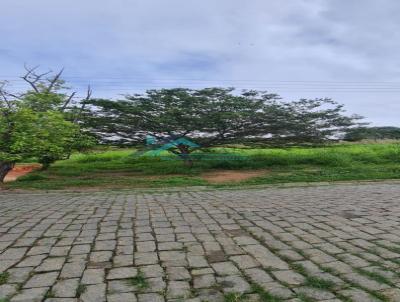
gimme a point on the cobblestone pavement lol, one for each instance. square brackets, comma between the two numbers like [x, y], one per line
[328, 243]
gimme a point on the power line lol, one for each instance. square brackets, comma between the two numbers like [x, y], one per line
[270, 89]
[130, 85]
[127, 78]
[272, 85]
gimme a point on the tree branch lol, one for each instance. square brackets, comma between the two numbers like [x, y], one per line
[55, 80]
[4, 94]
[32, 78]
[66, 103]
[84, 102]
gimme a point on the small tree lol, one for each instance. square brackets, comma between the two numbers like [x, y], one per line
[26, 133]
[215, 116]
[41, 123]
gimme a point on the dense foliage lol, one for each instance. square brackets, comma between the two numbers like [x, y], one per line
[39, 123]
[374, 133]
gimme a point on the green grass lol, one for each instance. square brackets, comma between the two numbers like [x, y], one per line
[313, 281]
[374, 276]
[139, 281]
[329, 270]
[319, 283]
[49, 294]
[299, 268]
[118, 168]
[81, 289]
[234, 297]
[304, 298]
[264, 295]
[4, 278]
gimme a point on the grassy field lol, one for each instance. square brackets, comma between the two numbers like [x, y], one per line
[121, 169]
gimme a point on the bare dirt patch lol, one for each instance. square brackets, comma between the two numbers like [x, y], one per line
[21, 170]
[223, 176]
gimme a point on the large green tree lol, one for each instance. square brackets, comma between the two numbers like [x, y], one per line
[41, 122]
[215, 116]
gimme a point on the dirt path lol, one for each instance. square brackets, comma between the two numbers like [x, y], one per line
[223, 176]
[21, 170]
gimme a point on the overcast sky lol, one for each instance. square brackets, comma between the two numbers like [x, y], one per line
[344, 49]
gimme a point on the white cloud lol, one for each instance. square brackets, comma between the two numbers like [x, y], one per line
[248, 42]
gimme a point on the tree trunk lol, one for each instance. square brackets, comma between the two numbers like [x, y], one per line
[5, 167]
[185, 155]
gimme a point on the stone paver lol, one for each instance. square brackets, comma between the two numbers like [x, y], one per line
[319, 243]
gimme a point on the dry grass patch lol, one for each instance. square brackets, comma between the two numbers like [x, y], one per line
[223, 176]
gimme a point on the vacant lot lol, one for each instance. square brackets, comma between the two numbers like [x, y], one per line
[332, 243]
[122, 168]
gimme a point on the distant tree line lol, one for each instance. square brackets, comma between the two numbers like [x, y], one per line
[48, 123]
[371, 133]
